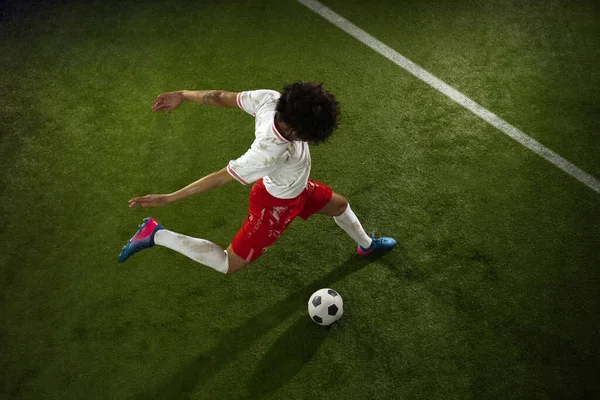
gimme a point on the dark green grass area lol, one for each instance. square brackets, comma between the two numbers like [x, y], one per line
[492, 291]
[534, 64]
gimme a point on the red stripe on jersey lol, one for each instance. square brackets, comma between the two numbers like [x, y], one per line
[235, 175]
[239, 100]
[277, 134]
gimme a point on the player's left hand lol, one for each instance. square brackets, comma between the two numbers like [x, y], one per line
[167, 101]
[150, 200]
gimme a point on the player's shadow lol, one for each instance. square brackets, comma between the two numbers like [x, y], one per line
[236, 340]
[286, 357]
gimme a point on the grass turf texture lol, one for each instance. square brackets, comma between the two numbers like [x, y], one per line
[491, 292]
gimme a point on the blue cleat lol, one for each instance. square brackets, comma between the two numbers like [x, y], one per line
[384, 243]
[143, 239]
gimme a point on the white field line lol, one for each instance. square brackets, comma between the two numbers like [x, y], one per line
[452, 93]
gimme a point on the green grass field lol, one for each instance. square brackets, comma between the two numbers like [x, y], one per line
[491, 293]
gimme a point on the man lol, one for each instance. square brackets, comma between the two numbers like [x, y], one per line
[278, 161]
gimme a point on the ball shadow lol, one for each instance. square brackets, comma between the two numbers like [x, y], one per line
[238, 339]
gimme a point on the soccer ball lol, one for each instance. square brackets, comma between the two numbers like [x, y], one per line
[325, 306]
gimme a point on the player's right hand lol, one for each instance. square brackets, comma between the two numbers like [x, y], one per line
[167, 101]
[150, 200]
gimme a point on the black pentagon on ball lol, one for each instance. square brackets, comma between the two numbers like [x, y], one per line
[332, 310]
[332, 292]
[317, 319]
[316, 301]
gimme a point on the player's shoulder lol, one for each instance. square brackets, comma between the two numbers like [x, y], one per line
[255, 101]
[262, 96]
[262, 93]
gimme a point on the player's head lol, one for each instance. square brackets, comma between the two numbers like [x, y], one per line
[309, 112]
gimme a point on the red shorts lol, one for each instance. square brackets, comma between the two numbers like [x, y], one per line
[269, 216]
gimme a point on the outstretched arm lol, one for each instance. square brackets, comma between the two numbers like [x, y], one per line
[171, 100]
[209, 182]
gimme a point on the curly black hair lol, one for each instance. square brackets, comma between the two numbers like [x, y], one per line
[311, 112]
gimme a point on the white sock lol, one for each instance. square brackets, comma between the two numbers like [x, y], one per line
[199, 250]
[349, 222]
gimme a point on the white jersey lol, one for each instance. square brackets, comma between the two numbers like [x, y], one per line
[283, 165]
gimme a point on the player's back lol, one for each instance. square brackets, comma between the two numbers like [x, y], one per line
[284, 165]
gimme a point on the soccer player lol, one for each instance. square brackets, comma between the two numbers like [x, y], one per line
[278, 161]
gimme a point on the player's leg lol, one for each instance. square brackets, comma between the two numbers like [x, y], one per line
[235, 262]
[260, 230]
[335, 206]
[257, 234]
[338, 207]
[202, 251]
[344, 217]
[151, 233]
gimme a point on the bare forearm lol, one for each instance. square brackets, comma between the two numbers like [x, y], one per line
[217, 98]
[169, 101]
[209, 182]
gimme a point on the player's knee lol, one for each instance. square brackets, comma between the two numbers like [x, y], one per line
[235, 263]
[341, 205]
[236, 267]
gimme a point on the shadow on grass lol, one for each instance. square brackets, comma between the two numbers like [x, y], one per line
[209, 362]
[286, 357]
